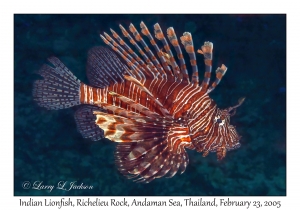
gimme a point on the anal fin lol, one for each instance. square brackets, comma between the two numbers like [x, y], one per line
[85, 120]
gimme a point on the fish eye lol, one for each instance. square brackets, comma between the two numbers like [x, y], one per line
[219, 120]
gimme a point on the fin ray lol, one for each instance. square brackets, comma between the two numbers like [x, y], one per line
[85, 120]
[146, 150]
[59, 89]
[104, 67]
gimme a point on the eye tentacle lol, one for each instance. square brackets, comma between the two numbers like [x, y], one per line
[240, 102]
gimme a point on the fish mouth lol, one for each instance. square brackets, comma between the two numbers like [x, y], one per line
[219, 143]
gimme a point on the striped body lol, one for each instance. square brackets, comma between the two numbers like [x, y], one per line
[174, 95]
[145, 102]
[181, 99]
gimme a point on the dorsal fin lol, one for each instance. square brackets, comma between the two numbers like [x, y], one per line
[104, 67]
[138, 38]
[146, 32]
[160, 36]
[187, 42]
[174, 41]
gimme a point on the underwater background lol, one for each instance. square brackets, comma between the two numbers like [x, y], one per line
[48, 148]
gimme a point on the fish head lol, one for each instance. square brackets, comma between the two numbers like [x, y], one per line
[218, 135]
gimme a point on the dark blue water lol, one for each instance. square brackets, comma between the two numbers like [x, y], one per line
[48, 148]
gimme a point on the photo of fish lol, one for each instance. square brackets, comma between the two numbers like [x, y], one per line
[154, 101]
[152, 110]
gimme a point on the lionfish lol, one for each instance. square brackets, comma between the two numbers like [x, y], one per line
[146, 103]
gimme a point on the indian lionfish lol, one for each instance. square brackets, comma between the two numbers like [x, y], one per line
[145, 102]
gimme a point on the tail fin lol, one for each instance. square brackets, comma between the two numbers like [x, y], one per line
[60, 88]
